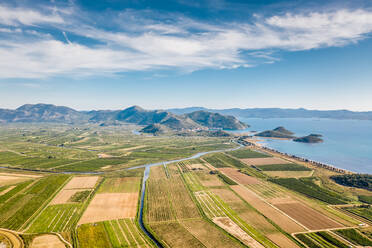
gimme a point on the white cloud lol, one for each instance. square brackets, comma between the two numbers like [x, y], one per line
[175, 43]
[17, 16]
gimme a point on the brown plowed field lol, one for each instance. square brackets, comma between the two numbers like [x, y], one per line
[307, 216]
[64, 195]
[82, 183]
[47, 241]
[276, 216]
[110, 206]
[264, 161]
[208, 180]
[239, 177]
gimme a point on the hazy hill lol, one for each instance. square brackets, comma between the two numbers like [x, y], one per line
[41, 113]
[281, 113]
[216, 120]
[135, 114]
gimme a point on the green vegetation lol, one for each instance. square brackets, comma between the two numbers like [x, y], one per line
[365, 198]
[364, 211]
[332, 240]
[80, 196]
[93, 236]
[283, 167]
[220, 160]
[56, 218]
[354, 236]
[14, 191]
[308, 241]
[308, 188]
[120, 185]
[363, 181]
[15, 212]
[226, 179]
[247, 153]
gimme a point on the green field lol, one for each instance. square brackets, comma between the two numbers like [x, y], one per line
[56, 218]
[362, 211]
[120, 185]
[354, 236]
[310, 189]
[220, 160]
[248, 153]
[283, 167]
[113, 233]
[18, 209]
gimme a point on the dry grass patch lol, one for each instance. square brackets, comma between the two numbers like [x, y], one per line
[64, 196]
[8, 180]
[226, 195]
[208, 180]
[110, 206]
[276, 216]
[264, 161]
[14, 239]
[195, 167]
[239, 177]
[47, 241]
[208, 234]
[289, 174]
[157, 172]
[281, 240]
[307, 216]
[121, 185]
[175, 235]
[82, 182]
[232, 228]
[19, 175]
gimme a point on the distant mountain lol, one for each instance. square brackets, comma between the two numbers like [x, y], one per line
[282, 113]
[166, 120]
[41, 113]
[216, 120]
[279, 132]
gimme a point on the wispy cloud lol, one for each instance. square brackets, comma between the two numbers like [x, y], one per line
[175, 42]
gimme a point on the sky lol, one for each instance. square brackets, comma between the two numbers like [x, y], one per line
[181, 53]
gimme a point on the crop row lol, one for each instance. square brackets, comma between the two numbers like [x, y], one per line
[247, 153]
[17, 210]
[56, 218]
[310, 189]
[321, 240]
[355, 237]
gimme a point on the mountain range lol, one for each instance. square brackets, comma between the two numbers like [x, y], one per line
[281, 113]
[164, 120]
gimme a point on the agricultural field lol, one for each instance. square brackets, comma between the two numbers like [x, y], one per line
[247, 153]
[113, 233]
[354, 237]
[20, 204]
[322, 239]
[364, 211]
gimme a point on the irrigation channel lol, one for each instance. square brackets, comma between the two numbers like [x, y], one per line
[145, 177]
[147, 174]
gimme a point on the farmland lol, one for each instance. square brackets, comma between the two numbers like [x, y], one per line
[114, 233]
[225, 199]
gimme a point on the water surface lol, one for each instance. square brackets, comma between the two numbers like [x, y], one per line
[347, 143]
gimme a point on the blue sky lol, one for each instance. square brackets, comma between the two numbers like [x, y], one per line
[178, 53]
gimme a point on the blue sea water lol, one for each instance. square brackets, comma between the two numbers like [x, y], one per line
[347, 143]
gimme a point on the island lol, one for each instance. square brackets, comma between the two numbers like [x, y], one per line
[279, 132]
[312, 138]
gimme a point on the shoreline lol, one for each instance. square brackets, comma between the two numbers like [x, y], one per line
[246, 141]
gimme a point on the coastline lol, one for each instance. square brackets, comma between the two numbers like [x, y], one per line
[254, 143]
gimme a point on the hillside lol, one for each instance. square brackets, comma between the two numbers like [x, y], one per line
[312, 138]
[215, 120]
[200, 120]
[279, 132]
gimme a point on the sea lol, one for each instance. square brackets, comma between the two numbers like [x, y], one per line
[347, 143]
